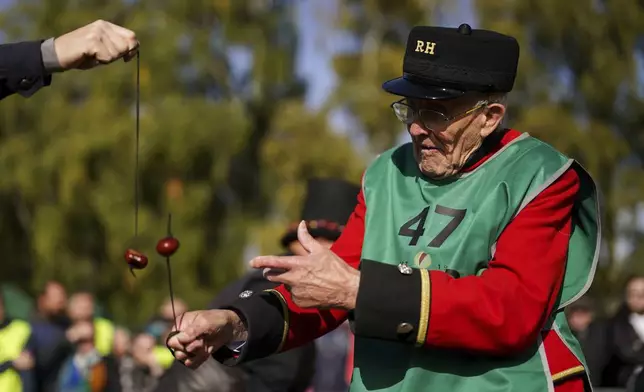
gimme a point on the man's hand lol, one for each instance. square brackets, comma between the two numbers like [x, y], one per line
[321, 279]
[203, 332]
[97, 43]
[24, 361]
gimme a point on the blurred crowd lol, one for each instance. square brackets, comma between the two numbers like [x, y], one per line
[67, 346]
[613, 346]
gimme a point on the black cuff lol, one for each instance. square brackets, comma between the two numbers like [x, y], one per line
[392, 303]
[262, 315]
[24, 68]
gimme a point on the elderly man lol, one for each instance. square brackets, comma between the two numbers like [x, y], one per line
[464, 248]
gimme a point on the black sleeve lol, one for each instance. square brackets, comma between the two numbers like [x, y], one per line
[113, 382]
[292, 370]
[628, 347]
[262, 313]
[388, 305]
[21, 69]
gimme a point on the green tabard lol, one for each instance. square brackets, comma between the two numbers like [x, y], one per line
[454, 224]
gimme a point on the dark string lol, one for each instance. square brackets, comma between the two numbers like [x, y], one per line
[136, 184]
[167, 263]
[136, 163]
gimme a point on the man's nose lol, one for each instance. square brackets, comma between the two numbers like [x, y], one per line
[416, 129]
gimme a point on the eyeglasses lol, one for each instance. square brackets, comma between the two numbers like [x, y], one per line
[430, 119]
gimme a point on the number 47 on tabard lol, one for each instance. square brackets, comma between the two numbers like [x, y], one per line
[408, 229]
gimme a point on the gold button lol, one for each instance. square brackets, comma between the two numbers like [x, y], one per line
[404, 328]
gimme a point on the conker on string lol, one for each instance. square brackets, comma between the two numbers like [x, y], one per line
[167, 246]
[135, 259]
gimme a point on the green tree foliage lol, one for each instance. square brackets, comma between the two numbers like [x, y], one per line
[379, 29]
[577, 89]
[226, 150]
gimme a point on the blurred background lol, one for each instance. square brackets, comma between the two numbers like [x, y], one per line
[242, 101]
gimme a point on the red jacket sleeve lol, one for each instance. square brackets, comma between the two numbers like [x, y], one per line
[505, 308]
[304, 325]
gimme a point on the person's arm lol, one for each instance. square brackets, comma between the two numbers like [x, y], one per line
[275, 324]
[517, 291]
[26, 67]
[28, 376]
[499, 312]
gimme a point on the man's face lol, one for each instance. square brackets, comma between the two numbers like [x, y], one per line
[121, 342]
[142, 347]
[54, 300]
[84, 331]
[441, 147]
[635, 295]
[81, 307]
[180, 307]
[579, 320]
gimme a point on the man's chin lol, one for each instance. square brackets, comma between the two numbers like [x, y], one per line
[435, 173]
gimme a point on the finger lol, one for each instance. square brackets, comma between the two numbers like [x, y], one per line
[175, 344]
[195, 346]
[181, 356]
[128, 35]
[130, 55]
[273, 271]
[111, 46]
[308, 242]
[275, 262]
[178, 322]
[118, 42]
[100, 52]
[194, 363]
[284, 277]
[193, 330]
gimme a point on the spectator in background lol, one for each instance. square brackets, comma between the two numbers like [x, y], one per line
[87, 370]
[122, 342]
[327, 205]
[592, 334]
[159, 328]
[81, 308]
[48, 330]
[146, 370]
[122, 353]
[16, 361]
[161, 324]
[627, 336]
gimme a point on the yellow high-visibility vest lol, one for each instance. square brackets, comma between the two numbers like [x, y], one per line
[13, 339]
[163, 356]
[103, 335]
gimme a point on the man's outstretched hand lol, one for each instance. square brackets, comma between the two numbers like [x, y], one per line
[320, 279]
[97, 43]
[203, 332]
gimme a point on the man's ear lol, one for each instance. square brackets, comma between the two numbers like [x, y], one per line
[493, 117]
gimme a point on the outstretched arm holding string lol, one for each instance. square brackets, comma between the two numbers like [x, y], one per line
[26, 67]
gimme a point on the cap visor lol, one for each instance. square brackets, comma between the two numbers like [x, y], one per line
[405, 88]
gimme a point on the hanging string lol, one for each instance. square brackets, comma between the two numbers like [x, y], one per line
[136, 162]
[167, 263]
